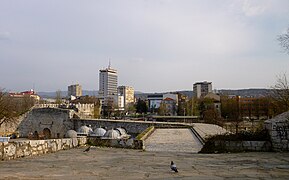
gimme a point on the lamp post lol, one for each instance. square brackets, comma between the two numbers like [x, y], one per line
[184, 114]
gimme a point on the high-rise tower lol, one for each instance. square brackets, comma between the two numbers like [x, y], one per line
[74, 90]
[201, 89]
[107, 82]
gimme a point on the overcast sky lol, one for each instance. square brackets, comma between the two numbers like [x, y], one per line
[156, 45]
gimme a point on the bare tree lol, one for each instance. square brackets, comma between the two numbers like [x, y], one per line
[7, 109]
[58, 98]
[280, 93]
[284, 41]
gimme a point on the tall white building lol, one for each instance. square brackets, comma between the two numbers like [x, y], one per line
[201, 89]
[107, 82]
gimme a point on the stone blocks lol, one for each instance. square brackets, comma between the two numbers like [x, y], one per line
[12, 150]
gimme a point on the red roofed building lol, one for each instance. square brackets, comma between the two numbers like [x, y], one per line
[30, 93]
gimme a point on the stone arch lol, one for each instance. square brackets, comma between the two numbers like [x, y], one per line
[46, 133]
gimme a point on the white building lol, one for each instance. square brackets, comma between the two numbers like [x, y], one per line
[127, 93]
[74, 90]
[107, 83]
[201, 89]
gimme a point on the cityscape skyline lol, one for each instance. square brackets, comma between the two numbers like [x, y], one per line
[156, 46]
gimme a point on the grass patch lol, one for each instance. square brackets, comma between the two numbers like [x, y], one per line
[141, 135]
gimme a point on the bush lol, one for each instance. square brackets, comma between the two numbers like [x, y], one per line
[210, 147]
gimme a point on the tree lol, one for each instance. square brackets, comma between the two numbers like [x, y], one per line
[141, 106]
[162, 110]
[231, 110]
[284, 41]
[108, 107]
[280, 93]
[130, 108]
[8, 112]
[12, 107]
[58, 97]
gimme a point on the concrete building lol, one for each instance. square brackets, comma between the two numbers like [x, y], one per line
[154, 101]
[201, 89]
[216, 99]
[128, 95]
[107, 82]
[74, 90]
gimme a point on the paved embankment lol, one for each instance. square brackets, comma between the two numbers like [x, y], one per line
[116, 163]
[173, 140]
[207, 130]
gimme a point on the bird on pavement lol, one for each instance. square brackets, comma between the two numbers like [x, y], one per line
[87, 149]
[174, 167]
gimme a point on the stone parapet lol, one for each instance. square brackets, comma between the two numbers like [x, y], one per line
[239, 146]
[23, 148]
[117, 143]
[278, 128]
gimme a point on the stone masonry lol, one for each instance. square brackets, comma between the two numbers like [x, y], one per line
[22, 148]
[56, 122]
[278, 128]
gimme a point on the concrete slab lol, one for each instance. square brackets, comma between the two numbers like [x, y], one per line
[173, 140]
[110, 163]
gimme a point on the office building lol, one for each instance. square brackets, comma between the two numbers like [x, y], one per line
[201, 89]
[128, 95]
[107, 82]
[74, 90]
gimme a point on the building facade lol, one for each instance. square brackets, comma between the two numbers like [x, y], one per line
[201, 89]
[107, 82]
[128, 95]
[31, 94]
[74, 90]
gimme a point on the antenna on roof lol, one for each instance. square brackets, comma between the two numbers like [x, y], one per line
[109, 64]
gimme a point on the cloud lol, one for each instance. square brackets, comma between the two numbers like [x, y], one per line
[254, 7]
[4, 35]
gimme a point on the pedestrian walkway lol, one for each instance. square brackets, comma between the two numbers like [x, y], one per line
[173, 140]
[207, 130]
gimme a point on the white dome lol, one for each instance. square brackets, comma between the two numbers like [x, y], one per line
[71, 134]
[85, 130]
[121, 131]
[112, 134]
[99, 132]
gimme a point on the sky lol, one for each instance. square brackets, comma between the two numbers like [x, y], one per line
[156, 45]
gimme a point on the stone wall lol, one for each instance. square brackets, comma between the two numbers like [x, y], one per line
[240, 146]
[22, 148]
[11, 127]
[117, 143]
[83, 111]
[278, 128]
[132, 127]
[50, 121]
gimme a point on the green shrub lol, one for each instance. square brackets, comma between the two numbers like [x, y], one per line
[209, 147]
[144, 132]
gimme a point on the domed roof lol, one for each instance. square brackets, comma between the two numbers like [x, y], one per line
[85, 130]
[99, 132]
[71, 134]
[121, 131]
[112, 134]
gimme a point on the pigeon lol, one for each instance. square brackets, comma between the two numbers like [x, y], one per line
[87, 149]
[174, 167]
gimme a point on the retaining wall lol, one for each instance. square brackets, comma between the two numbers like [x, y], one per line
[278, 128]
[117, 143]
[22, 148]
[239, 146]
